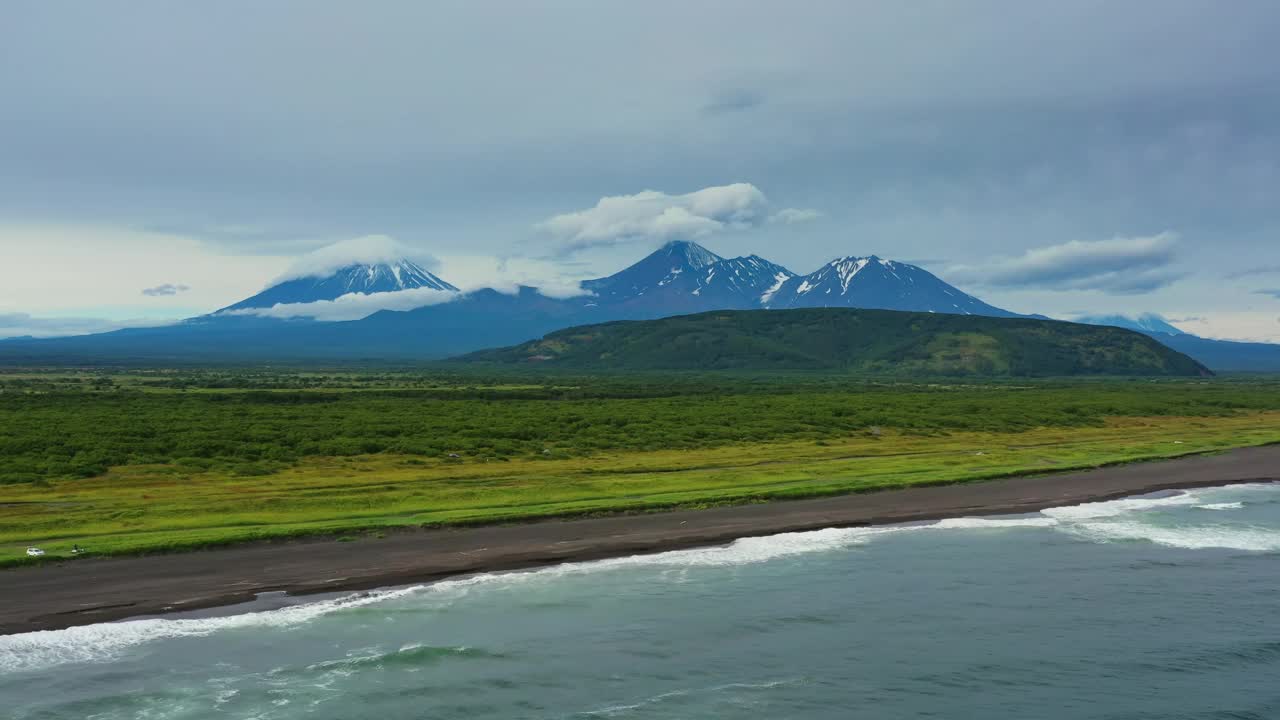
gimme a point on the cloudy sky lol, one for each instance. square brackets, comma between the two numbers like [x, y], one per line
[164, 159]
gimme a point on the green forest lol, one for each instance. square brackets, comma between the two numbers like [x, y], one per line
[866, 342]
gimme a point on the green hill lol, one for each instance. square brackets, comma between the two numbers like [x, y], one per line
[855, 341]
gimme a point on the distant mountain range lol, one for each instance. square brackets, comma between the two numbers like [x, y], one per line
[678, 279]
[1222, 355]
[848, 340]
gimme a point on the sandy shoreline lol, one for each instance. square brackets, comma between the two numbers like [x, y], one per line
[102, 589]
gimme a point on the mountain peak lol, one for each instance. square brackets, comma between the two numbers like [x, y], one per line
[691, 253]
[366, 278]
[658, 269]
[875, 283]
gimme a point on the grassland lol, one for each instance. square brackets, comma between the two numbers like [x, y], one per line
[162, 461]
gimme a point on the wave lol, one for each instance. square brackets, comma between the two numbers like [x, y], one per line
[708, 693]
[1221, 506]
[1113, 508]
[410, 656]
[746, 550]
[1252, 539]
[978, 523]
[105, 641]
[1104, 522]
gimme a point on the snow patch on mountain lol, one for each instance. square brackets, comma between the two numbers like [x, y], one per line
[778, 279]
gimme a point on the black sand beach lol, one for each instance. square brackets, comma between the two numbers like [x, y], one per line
[102, 589]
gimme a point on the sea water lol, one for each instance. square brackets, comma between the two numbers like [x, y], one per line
[1156, 607]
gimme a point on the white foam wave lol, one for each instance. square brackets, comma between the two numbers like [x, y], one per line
[1125, 520]
[1113, 508]
[978, 523]
[104, 641]
[1252, 539]
[748, 550]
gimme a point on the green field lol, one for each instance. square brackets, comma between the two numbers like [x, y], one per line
[157, 460]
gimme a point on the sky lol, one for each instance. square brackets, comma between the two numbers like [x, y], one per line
[160, 160]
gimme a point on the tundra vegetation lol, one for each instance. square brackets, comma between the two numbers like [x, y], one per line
[128, 461]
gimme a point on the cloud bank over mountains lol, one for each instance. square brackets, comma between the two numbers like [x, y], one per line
[352, 306]
[653, 217]
[26, 325]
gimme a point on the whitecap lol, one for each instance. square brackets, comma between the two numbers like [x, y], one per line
[1112, 508]
[104, 641]
[1252, 539]
[978, 523]
[1221, 506]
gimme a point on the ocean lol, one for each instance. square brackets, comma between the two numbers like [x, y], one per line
[1163, 606]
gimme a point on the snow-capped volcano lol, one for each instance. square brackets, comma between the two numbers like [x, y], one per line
[870, 282]
[1149, 323]
[683, 276]
[659, 269]
[382, 277]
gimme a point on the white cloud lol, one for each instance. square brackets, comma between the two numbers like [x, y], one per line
[1245, 325]
[507, 274]
[23, 325]
[353, 306]
[1119, 266]
[96, 270]
[369, 249]
[790, 216]
[165, 290]
[656, 216]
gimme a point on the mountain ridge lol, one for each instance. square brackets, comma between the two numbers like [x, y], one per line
[851, 340]
[874, 283]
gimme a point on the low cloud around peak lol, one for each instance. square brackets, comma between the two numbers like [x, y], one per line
[652, 216]
[365, 250]
[352, 306]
